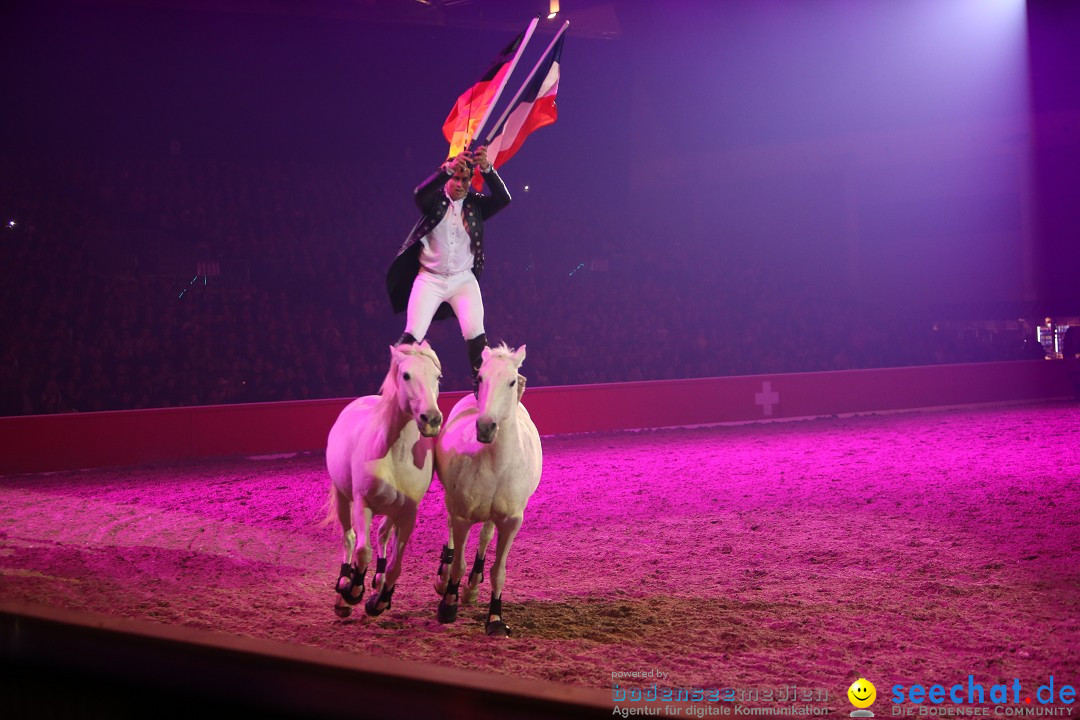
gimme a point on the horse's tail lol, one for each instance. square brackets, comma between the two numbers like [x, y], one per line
[332, 504]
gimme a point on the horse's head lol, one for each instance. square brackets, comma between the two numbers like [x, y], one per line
[500, 390]
[414, 376]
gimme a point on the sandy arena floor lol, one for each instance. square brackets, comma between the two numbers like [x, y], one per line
[905, 548]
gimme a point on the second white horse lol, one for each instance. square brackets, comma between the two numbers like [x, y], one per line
[488, 459]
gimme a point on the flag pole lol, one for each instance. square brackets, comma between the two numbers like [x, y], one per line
[506, 78]
[506, 112]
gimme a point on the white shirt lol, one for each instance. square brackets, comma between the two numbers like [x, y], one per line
[447, 248]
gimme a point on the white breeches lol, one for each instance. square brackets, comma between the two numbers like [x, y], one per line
[429, 291]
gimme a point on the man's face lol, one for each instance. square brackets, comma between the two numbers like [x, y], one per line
[458, 186]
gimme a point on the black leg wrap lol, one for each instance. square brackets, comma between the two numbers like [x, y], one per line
[371, 607]
[445, 558]
[477, 569]
[448, 613]
[496, 628]
[380, 568]
[406, 339]
[355, 578]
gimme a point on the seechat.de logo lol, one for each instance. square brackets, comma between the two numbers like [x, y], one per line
[973, 692]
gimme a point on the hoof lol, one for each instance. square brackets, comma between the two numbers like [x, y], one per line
[342, 611]
[371, 607]
[472, 589]
[447, 613]
[497, 629]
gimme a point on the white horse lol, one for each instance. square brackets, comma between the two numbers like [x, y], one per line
[380, 455]
[489, 460]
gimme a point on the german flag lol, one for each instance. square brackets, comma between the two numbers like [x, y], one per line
[471, 107]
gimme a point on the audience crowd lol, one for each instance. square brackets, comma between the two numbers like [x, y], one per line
[154, 283]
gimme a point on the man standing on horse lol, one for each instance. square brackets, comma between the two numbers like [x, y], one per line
[436, 271]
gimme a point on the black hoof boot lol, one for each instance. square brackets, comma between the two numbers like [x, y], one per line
[406, 339]
[496, 628]
[447, 612]
[356, 580]
[371, 607]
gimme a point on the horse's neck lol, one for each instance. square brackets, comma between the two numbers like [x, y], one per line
[507, 441]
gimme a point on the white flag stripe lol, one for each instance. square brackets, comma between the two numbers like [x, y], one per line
[517, 118]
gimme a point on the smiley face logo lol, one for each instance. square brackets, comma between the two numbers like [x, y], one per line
[862, 693]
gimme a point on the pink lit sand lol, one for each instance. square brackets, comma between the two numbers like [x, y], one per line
[906, 548]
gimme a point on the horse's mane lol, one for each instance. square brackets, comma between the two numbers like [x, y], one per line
[504, 351]
[389, 386]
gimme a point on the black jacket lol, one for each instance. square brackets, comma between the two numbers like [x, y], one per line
[432, 202]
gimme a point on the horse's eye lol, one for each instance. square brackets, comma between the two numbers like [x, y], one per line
[513, 383]
[406, 377]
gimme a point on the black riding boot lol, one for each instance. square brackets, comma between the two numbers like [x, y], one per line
[476, 358]
[406, 339]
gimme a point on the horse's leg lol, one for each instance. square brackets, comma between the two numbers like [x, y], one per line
[448, 606]
[445, 559]
[403, 528]
[345, 583]
[361, 520]
[476, 575]
[508, 530]
[380, 561]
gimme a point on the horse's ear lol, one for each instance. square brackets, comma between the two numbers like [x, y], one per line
[519, 356]
[485, 353]
[394, 353]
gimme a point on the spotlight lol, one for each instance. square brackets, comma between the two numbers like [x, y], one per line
[11, 224]
[526, 188]
[553, 9]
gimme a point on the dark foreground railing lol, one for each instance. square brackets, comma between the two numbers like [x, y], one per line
[61, 663]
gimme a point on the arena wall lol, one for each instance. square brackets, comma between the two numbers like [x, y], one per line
[72, 441]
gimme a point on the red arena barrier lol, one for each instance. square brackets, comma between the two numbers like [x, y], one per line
[72, 441]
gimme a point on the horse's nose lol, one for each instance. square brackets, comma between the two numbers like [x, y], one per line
[433, 418]
[485, 430]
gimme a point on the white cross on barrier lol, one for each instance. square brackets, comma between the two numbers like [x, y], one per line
[767, 397]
